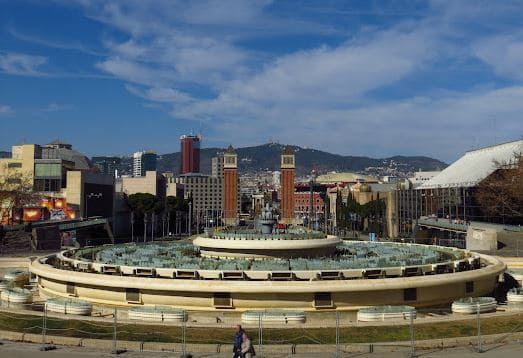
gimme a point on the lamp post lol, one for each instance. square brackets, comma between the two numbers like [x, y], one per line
[189, 229]
[197, 221]
[152, 225]
[144, 227]
[169, 223]
[163, 224]
[89, 196]
[132, 226]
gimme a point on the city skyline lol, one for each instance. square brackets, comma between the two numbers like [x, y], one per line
[359, 78]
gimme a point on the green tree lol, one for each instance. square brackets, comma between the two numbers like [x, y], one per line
[144, 203]
[177, 210]
[174, 203]
[245, 204]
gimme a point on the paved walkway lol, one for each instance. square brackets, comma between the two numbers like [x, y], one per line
[26, 350]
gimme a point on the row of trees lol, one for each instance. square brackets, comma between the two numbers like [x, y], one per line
[369, 217]
[171, 213]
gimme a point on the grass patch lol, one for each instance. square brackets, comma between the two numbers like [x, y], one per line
[295, 335]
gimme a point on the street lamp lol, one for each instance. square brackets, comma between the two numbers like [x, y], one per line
[169, 223]
[88, 196]
[152, 225]
[132, 226]
[163, 225]
[144, 227]
[190, 219]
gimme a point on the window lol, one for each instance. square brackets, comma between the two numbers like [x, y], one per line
[322, 299]
[48, 170]
[14, 165]
[14, 181]
[222, 299]
[132, 295]
[469, 286]
[71, 289]
[47, 185]
[410, 294]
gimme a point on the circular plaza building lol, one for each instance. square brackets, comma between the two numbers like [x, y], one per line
[267, 267]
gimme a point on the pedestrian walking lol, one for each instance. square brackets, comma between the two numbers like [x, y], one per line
[237, 342]
[247, 347]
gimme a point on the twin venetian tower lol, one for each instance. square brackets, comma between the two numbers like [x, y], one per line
[231, 182]
[287, 167]
[230, 187]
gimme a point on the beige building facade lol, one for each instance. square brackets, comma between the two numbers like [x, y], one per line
[56, 170]
[152, 182]
[205, 191]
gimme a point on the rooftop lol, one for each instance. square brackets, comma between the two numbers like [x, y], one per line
[345, 177]
[474, 166]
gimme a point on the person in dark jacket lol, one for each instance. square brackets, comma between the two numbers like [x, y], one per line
[237, 342]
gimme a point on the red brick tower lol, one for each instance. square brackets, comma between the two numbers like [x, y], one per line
[287, 185]
[230, 187]
[189, 154]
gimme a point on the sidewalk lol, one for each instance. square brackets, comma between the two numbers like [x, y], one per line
[28, 350]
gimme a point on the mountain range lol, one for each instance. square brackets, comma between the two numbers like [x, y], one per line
[267, 157]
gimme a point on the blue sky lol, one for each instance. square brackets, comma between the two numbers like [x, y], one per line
[375, 78]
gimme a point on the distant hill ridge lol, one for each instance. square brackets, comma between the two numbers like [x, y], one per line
[267, 157]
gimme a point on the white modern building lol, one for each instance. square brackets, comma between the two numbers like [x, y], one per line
[143, 162]
[421, 177]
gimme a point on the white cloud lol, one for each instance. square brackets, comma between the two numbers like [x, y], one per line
[504, 53]
[191, 58]
[444, 126]
[341, 74]
[181, 57]
[51, 43]
[134, 71]
[21, 64]
[160, 94]
[188, 42]
[238, 12]
[58, 107]
[5, 110]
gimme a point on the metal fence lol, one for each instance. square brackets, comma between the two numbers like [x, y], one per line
[334, 334]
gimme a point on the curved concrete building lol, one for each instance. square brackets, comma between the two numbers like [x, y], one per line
[70, 275]
[284, 268]
[242, 244]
